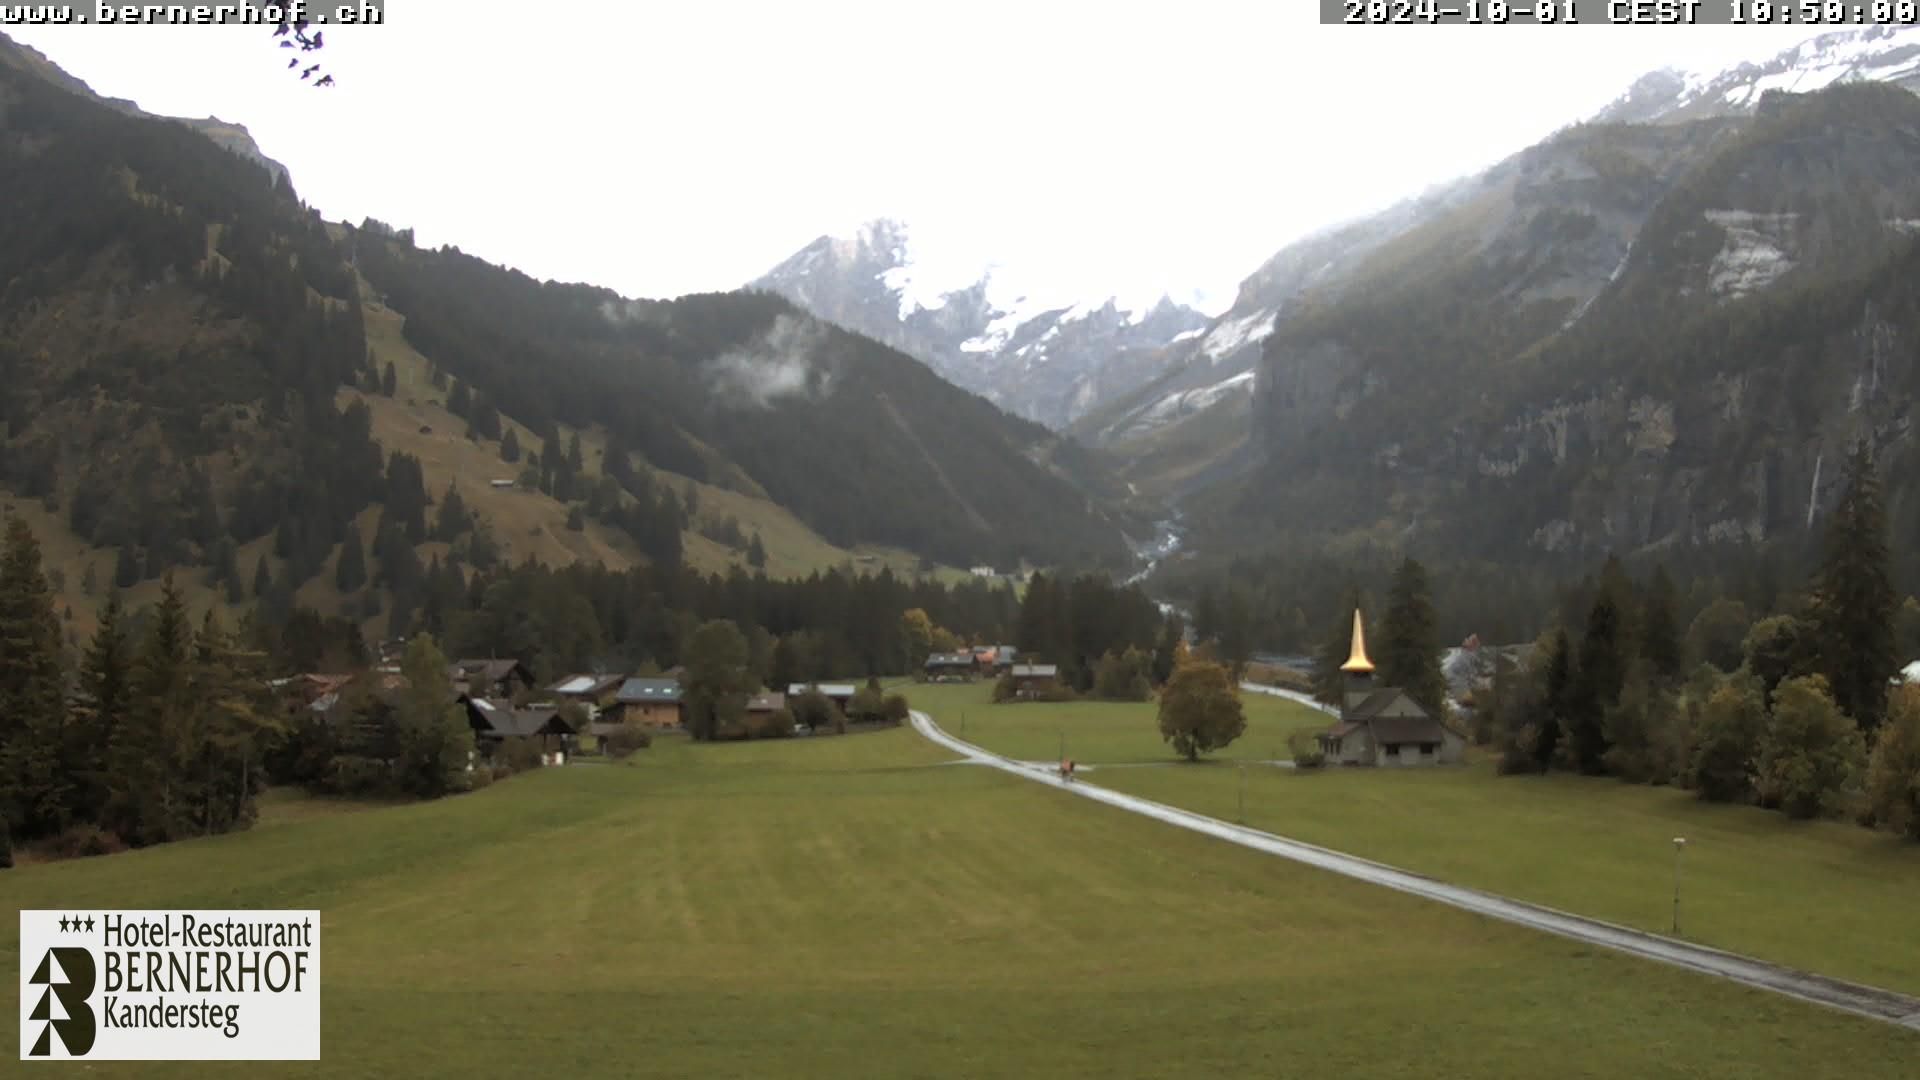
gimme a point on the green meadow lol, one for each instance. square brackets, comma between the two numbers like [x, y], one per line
[1829, 897]
[858, 906]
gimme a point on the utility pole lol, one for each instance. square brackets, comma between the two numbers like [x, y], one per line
[1679, 846]
[1243, 793]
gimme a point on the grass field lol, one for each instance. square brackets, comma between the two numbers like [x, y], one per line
[1095, 731]
[1826, 896]
[856, 907]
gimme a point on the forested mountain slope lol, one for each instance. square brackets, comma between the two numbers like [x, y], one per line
[187, 381]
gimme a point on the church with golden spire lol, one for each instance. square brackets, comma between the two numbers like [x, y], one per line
[1382, 725]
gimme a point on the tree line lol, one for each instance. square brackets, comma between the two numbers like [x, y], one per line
[1797, 711]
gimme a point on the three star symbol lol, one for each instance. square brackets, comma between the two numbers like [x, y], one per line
[75, 923]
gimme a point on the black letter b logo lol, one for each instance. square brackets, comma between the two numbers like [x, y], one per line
[76, 1031]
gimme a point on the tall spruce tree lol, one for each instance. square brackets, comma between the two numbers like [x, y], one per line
[351, 571]
[38, 795]
[1409, 645]
[1596, 683]
[1554, 700]
[102, 706]
[145, 756]
[1853, 600]
[1659, 632]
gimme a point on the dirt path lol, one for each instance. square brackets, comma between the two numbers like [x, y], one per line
[1868, 1001]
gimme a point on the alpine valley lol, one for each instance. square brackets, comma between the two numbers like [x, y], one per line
[1654, 332]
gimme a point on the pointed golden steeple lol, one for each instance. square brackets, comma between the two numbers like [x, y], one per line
[1358, 662]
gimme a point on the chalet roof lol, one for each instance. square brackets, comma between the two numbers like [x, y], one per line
[634, 691]
[540, 720]
[586, 685]
[489, 669]
[1370, 706]
[829, 689]
[1388, 730]
[950, 659]
[768, 702]
[1035, 671]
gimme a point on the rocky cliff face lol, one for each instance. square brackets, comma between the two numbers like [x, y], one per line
[1629, 337]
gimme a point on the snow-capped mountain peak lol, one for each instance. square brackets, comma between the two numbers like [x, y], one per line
[1873, 54]
[1029, 343]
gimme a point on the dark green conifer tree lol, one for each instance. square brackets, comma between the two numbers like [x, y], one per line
[38, 796]
[1409, 646]
[1853, 600]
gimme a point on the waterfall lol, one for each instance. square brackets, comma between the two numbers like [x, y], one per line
[1813, 492]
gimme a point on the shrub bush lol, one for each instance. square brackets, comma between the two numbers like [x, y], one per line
[520, 753]
[815, 709]
[6, 845]
[625, 740]
[897, 709]
[777, 724]
[1306, 750]
[1003, 690]
[480, 777]
[81, 841]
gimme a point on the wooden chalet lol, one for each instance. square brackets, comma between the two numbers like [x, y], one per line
[596, 692]
[494, 721]
[1030, 680]
[490, 678]
[840, 694]
[951, 667]
[1382, 725]
[653, 703]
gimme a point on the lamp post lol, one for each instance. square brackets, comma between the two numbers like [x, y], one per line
[1679, 846]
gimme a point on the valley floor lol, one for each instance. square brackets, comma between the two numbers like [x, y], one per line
[852, 907]
[1819, 896]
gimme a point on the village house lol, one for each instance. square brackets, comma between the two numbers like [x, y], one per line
[1382, 725]
[653, 703]
[595, 692]
[841, 694]
[1031, 680]
[495, 721]
[951, 667]
[758, 719]
[490, 678]
[1003, 658]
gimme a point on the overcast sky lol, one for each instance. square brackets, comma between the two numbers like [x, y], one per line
[661, 148]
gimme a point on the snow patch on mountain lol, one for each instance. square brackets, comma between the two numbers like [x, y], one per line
[1235, 334]
[1755, 253]
[1185, 402]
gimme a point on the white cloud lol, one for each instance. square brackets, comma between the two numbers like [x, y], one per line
[782, 362]
[660, 149]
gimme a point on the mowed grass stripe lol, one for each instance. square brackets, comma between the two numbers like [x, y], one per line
[850, 907]
[1821, 896]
